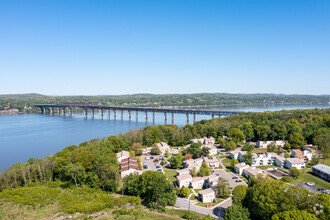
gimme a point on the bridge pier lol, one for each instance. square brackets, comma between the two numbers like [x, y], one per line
[114, 114]
[153, 117]
[58, 110]
[51, 110]
[121, 115]
[129, 115]
[194, 118]
[100, 113]
[63, 111]
[92, 113]
[165, 118]
[212, 115]
[187, 118]
[172, 119]
[108, 114]
[70, 111]
[43, 110]
[84, 113]
[146, 116]
[136, 116]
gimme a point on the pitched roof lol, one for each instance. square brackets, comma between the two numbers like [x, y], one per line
[294, 160]
[299, 154]
[323, 168]
[241, 165]
[206, 191]
[253, 171]
[196, 179]
[184, 177]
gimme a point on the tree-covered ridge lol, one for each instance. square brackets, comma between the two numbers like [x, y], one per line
[19, 101]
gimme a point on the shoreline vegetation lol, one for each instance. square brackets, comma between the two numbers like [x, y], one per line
[86, 178]
[25, 102]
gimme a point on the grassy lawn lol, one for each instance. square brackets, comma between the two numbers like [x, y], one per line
[325, 161]
[170, 174]
[259, 150]
[198, 190]
[307, 177]
[226, 161]
[222, 156]
[199, 203]
[266, 167]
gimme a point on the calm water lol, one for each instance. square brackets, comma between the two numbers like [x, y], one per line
[35, 135]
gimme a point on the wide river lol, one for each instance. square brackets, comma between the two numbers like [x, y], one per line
[35, 135]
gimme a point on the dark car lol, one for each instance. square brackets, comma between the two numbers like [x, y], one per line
[238, 181]
[235, 177]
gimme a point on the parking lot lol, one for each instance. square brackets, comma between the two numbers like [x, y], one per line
[309, 188]
[229, 176]
[150, 163]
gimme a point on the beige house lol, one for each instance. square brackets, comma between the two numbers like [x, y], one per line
[253, 171]
[183, 172]
[294, 162]
[234, 154]
[163, 147]
[184, 180]
[212, 163]
[264, 144]
[212, 180]
[122, 155]
[193, 163]
[207, 195]
[278, 160]
[240, 167]
[197, 182]
[129, 166]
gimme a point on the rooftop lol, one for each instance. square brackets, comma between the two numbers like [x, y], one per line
[206, 191]
[294, 160]
[299, 154]
[241, 165]
[323, 168]
[184, 177]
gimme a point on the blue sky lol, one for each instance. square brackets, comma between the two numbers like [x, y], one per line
[68, 47]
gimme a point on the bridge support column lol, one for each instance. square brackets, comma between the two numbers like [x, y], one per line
[114, 114]
[43, 110]
[63, 111]
[121, 115]
[129, 115]
[194, 118]
[212, 115]
[58, 110]
[187, 118]
[100, 113]
[153, 116]
[172, 118]
[85, 113]
[165, 118]
[146, 116]
[70, 111]
[92, 113]
[219, 116]
[136, 116]
[108, 114]
[51, 110]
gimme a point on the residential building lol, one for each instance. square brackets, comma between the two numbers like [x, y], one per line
[240, 156]
[203, 140]
[129, 166]
[212, 149]
[253, 171]
[173, 151]
[163, 147]
[309, 151]
[207, 195]
[193, 163]
[213, 162]
[299, 154]
[278, 160]
[294, 162]
[234, 154]
[184, 180]
[122, 155]
[183, 171]
[260, 159]
[322, 171]
[197, 182]
[240, 167]
[146, 150]
[211, 181]
[264, 144]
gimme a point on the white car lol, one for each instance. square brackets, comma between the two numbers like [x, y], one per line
[310, 184]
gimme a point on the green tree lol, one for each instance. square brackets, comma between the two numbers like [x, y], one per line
[230, 145]
[271, 147]
[233, 162]
[167, 154]
[247, 147]
[176, 161]
[139, 163]
[193, 172]
[223, 188]
[239, 194]
[156, 191]
[287, 146]
[184, 192]
[221, 141]
[296, 140]
[286, 155]
[155, 150]
[262, 132]
[294, 215]
[248, 158]
[76, 172]
[131, 185]
[236, 212]
[204, 170]
[236, 135]
[248, 132]
[295, 172]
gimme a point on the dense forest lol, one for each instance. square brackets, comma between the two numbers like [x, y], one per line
[23, 102]
[93, 164]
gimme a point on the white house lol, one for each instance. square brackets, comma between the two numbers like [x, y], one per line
[295, 153]
[207, 195]
[212, 163]
[163, 147]
[278, 160]
[122, 155]
[173, 151]
[240, 167]
[264, 144]
[308, 151]
[193, 163]
[203, 140]
[294, 162]
[184, 180]
[146, 150]
[240, 156]
[197, 182]
[253, 171]
[260, 159]
[183, 172]
[212, 180]
[212, 149]
[234, 154]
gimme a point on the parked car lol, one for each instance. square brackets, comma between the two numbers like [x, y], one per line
[145, 166]
[238, 181]
[326, 191]
[310, 184]
[160, 170]
[157, 166]
[151, 157]
[235, 177]
[147, 158]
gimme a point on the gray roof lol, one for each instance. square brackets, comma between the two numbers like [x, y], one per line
[323, 168]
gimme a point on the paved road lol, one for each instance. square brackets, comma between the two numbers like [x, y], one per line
[184, 204]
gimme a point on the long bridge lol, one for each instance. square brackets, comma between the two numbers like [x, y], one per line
[67, 107]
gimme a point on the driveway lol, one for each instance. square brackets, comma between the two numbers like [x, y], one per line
[184, 204]
[309, 188]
